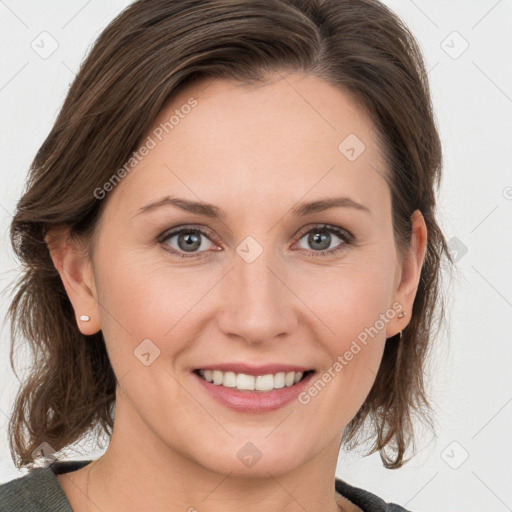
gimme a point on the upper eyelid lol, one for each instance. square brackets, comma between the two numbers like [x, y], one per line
[177, 230]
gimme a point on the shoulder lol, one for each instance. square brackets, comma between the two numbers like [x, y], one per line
[365, 500]
[30, 492]
[38, 490]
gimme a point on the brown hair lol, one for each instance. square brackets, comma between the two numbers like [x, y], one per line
[146, 55]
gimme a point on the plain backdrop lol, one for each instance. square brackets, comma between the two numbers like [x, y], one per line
[467, 46]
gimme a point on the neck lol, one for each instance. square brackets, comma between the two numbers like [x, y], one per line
[136, 474]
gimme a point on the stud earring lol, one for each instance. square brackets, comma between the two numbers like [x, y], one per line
[401, 315]
[85, 318]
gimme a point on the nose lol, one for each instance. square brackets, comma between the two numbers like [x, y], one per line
[258, 304]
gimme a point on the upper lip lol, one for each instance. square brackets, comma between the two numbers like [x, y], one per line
[254, 370]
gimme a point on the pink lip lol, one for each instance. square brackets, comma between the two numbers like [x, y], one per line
[254, 401]
[254, 370]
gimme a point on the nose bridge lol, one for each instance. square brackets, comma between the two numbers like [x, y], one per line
[258, 304]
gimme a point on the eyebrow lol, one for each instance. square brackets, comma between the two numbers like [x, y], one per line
[213, 212]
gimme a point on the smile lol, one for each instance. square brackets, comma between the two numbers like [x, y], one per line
[244, 382]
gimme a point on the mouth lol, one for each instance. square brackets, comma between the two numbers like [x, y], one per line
[263, 383]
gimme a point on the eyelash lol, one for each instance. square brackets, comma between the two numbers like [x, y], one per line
[348, 239]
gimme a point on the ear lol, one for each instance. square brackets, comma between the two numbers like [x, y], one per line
[409, 273]
[73, 264]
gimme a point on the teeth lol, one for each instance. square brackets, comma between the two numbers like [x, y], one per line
[217, 377]
[279, 380]
[242, 381]
[245, 381]
[229, 380]
[265, 382]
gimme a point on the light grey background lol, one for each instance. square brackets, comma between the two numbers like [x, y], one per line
[467, 465]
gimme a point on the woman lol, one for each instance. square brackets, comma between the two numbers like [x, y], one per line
[232, 260]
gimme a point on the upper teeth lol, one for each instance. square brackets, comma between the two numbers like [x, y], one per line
[243, 381]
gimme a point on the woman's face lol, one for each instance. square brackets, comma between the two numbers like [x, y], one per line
[253, 294]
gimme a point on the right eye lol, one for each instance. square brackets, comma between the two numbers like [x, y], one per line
[187, 242]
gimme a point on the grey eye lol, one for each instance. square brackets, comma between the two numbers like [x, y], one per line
[188, 240]
[319, 239]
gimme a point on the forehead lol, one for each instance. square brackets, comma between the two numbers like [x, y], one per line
[294, 137]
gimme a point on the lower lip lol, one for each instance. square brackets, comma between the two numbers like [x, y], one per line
[254, 401]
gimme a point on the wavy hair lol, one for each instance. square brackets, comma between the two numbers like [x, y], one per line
[149, 52]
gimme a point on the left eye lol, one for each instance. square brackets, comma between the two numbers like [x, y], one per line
[317, 236]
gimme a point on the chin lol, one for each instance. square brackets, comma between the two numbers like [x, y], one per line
[275, 465]
[251, 456]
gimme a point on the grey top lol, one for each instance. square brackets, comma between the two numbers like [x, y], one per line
[40, 491]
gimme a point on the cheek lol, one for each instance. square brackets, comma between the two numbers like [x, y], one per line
[355, 303]
[352, 296]
[144, 296]
[135, 302]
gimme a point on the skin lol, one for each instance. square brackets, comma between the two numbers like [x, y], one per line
[236, 149]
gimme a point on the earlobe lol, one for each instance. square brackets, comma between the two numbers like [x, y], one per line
[410, 272]
[71, 261]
